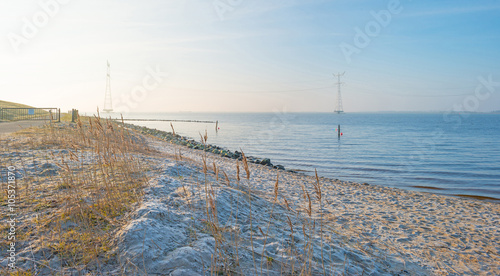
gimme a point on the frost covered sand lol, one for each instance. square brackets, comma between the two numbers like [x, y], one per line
[201, 215]
[364, 229]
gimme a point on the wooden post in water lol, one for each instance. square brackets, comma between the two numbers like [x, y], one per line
[338, 130]
[216, 126]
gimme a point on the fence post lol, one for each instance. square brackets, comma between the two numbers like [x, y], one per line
[74, 115]
[58, 115]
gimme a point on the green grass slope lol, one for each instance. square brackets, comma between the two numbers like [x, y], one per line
[11, 115]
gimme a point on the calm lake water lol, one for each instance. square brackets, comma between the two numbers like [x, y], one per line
[456, 153]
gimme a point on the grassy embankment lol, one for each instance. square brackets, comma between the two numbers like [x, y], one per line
[11, 115]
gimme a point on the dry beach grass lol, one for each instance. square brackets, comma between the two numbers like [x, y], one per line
[75, 185]
[99, 198]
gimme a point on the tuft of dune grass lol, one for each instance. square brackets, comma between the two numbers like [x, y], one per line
[71, 214]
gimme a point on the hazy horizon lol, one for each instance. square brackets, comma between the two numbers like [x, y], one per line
[103, 114]
[252, 56]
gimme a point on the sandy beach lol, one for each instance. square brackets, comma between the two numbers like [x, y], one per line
[202, 215]
[379, 229]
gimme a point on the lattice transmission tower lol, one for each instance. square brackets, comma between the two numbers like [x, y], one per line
[338, 107]
[108, 104]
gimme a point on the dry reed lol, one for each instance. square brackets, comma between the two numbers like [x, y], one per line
[98, 178]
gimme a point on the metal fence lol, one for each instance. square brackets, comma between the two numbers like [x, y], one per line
[19, 113]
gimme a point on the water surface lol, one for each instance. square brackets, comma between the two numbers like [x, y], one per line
[453, 154]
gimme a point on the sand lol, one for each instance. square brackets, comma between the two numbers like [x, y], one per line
[367, 229]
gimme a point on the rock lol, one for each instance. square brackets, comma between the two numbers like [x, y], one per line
[279, 167]
[266, 161]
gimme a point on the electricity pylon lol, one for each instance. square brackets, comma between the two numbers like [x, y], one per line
[338, 108]
[108, 105]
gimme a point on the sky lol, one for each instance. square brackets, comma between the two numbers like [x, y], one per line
[252, 55]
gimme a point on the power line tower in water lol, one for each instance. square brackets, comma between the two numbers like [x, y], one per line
[108, 105]
[339, 108]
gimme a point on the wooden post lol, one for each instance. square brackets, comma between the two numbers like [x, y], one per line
[338, 130]
[217, 126]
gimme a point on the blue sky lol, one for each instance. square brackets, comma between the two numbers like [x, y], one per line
[242, 55]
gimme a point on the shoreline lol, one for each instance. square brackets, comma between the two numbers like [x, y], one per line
[424, 233]
[202, 212]
[193, 144]
[224, 152]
